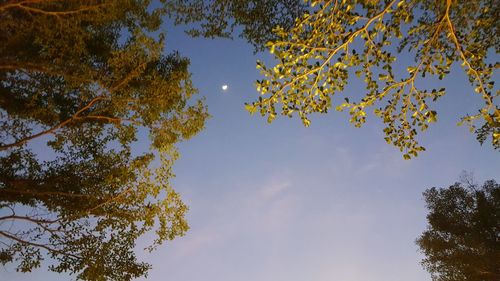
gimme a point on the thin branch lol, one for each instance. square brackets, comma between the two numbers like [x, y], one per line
[21, 5]
[27, 67]
[46, 193]
[458, 47]
[412, 78]
[109, 119]
[333, 52]
[44, 224]
[131, 75]
[53, 129]
[19, 240]
[110, 200]
[37, 221]
[15, 4]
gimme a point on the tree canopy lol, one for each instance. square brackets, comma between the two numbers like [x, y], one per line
[84, 78]
[80, 83]
[335, 39]
[462, 240]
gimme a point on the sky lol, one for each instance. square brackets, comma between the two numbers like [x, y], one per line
[279, 201]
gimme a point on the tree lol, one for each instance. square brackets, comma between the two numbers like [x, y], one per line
[219, 18]
[462, 240]
[335, 39]
[84, 78]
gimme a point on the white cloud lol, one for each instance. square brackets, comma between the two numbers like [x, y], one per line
[273, 190]
[196, 241]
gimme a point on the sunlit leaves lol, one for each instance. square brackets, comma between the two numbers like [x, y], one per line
[317, 56]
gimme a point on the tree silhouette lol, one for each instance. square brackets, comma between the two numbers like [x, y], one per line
[462, 240]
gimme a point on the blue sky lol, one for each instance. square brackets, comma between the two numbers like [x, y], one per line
[273, 202]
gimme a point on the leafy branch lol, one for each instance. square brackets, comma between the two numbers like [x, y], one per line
[316, 57]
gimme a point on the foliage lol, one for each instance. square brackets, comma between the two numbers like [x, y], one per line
[462, 239]
[219, 18]
[80, 81]
[335, 39]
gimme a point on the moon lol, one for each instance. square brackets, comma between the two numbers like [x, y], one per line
[224, 87]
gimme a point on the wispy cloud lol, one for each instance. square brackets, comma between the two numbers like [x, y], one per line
[274, 189]
[253, 209]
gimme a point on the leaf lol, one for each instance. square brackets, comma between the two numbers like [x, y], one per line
[411, 69]
[306, 122]
[250, 108]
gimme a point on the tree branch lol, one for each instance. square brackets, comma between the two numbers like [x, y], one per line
[131, 75]
[46, 193]
[22, 5]
[13, 4]
[109, 119]
[25, 218]
[27, 243]
[52, 129]
[27, 67]
[458, 47]
[333, 52]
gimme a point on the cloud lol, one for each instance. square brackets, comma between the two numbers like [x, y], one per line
[196, 241]
[253, 210]
[273, 190]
